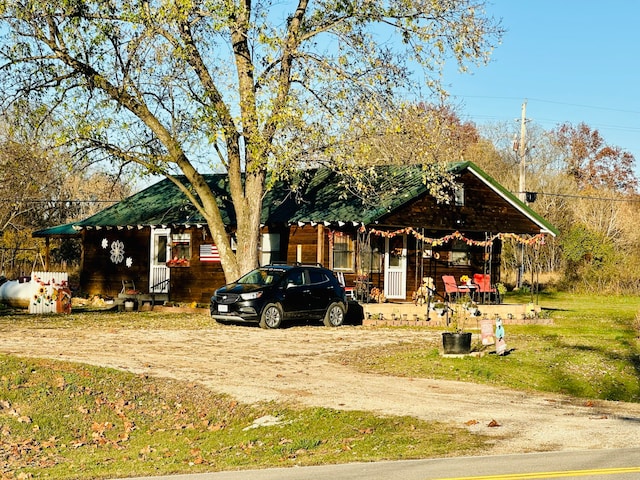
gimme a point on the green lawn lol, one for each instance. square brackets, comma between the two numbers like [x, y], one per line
[591, 350]
[61, 420]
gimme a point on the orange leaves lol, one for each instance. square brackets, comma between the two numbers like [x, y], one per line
[491, 424]
[197, 459]
[214, 427]
[7, 408]
[60, 382]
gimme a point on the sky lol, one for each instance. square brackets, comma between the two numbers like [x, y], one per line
[571, 61]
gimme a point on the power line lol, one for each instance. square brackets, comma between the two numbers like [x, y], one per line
[33, 200]
[550, 101]
[625, 128]
[588, 197]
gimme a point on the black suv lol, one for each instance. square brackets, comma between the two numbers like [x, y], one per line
[274, 293]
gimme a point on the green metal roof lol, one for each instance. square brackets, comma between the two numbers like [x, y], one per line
[316, 196]
[327, 199]
[66, 230]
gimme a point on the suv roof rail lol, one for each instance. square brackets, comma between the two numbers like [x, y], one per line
[300, 264]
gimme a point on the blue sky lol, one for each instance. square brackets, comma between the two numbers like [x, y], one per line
[571, 60]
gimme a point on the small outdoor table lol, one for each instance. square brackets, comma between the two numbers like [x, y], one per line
[468, 289]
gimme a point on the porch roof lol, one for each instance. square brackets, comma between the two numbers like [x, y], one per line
[60, 231]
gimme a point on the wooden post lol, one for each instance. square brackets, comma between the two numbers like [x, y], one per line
[320, 244]
[46, 254]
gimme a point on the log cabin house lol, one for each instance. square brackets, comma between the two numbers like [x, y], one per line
[157, 241]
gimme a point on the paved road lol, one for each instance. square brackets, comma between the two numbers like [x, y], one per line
[620, 464]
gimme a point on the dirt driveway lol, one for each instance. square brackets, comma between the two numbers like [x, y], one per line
[296, 365]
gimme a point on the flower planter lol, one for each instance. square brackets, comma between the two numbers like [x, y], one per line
[456, 343]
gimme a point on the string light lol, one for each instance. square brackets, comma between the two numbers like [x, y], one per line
[538, 239]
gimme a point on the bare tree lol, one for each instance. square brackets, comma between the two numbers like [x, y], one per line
[592, 162]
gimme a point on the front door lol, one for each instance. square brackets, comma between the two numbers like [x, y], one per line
[395, 267]
[160, 252]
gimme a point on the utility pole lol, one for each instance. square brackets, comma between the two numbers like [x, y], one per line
[522, 153]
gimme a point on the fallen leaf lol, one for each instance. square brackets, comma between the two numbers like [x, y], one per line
[468, 423]
[147, 449]
[216, 427]
[493, 423]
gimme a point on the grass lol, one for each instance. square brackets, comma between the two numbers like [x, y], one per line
[62, 420]
[591, 351]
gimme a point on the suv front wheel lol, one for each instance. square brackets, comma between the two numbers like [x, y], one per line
[335, 315]
[271, 316]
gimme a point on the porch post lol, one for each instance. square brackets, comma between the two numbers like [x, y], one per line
[320, 244]
[47, 256]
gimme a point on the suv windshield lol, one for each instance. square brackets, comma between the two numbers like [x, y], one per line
[261, 277]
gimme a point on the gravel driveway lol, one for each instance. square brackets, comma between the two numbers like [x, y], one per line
[295, 365]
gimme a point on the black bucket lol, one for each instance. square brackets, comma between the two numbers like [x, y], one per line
[456, 343]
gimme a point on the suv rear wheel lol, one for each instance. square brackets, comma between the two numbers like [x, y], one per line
[271, 316]
[335, 315]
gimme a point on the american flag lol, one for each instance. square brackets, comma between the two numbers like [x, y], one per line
[209, 253]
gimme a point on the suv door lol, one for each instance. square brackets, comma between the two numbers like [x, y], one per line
[320, 292]
[295, 297]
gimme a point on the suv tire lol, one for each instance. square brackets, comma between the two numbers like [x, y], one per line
[271, 316]
[335, 315]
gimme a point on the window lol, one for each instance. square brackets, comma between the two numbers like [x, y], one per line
[317, 277]
[296, 278]
[397, 251]
[342, 252]
[371, 257]
[180, 250]
[161, 249]
[459, 196]
[460, 253]
[270, 248]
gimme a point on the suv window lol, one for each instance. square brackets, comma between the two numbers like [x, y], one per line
[317, 277]
[296, 277]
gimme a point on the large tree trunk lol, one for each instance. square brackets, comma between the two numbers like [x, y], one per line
[248, 232]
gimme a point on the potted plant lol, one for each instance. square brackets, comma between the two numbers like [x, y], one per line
[440, 308]
[472, 308]
[456, 341]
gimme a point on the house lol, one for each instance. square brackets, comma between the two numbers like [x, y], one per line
[383, 245]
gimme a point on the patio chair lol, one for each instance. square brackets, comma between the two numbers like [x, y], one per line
[484, 288]
[128, 287]
[349, 291]
[451, 287]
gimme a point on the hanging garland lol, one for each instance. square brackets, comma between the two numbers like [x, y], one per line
[538, 239]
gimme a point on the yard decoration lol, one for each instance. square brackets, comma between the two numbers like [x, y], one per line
[501, 344]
